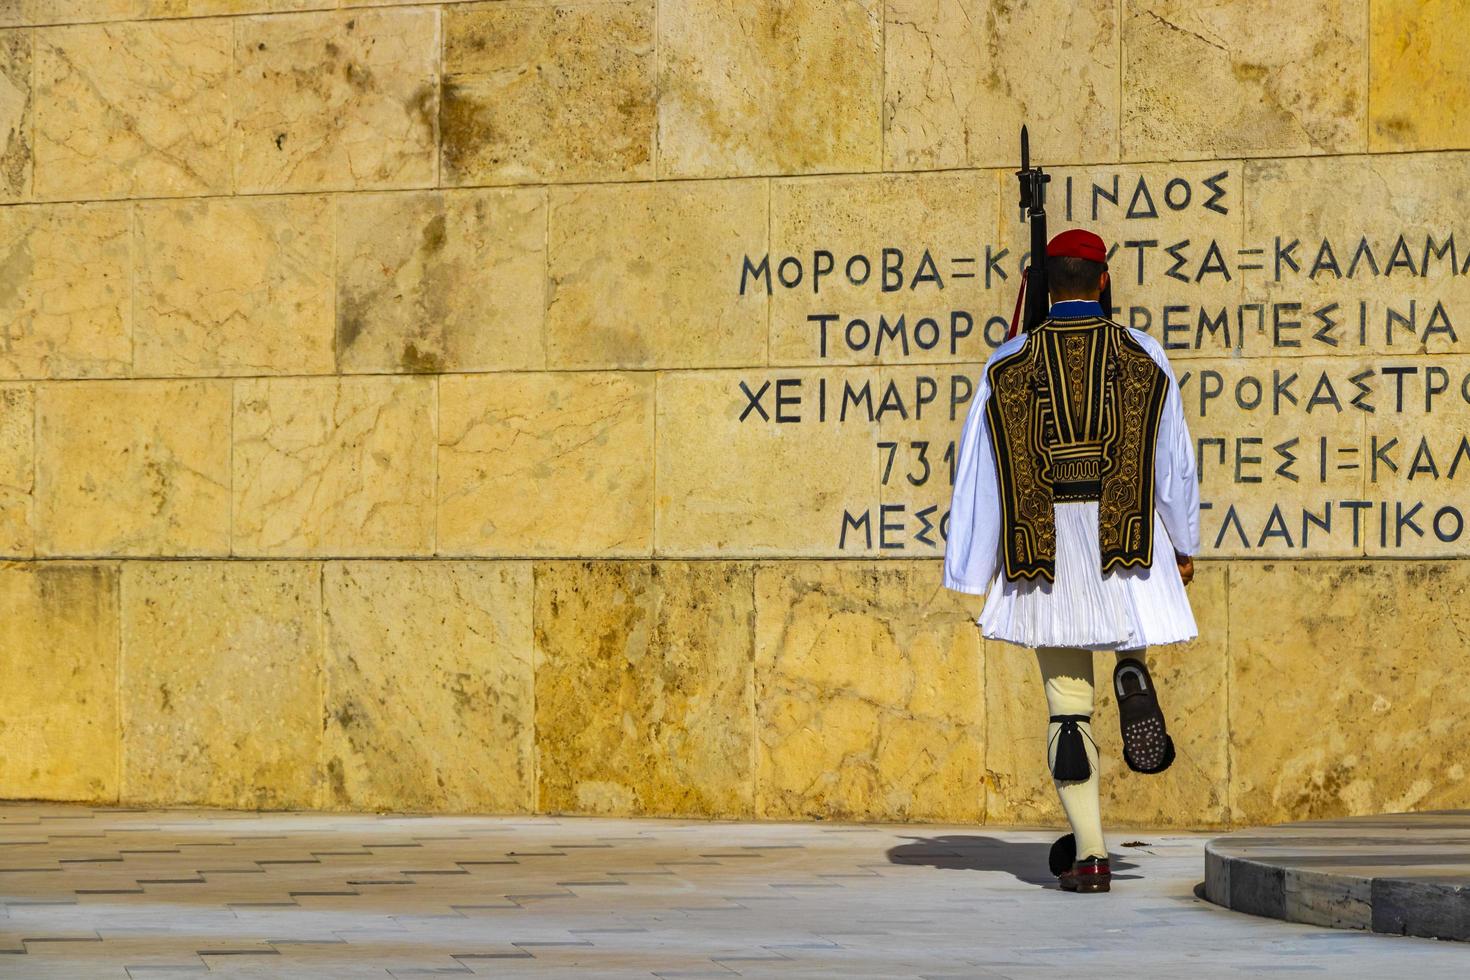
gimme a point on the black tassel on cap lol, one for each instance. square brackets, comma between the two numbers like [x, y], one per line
[1071, 762]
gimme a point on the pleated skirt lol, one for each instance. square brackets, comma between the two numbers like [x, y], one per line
[1124, 609]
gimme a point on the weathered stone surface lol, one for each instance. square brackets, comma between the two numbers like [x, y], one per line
[257, 300]
[1418, 75]
[546, 464]
[1251, 79]
[17, 469]
[1340, 702]
[133, 468]
[438, 281]
[1175, 234]
[133, 110]
[429, 700]
[961, 77]
[649, 275]
[917, 452]
[59, 703]
[16, 13]
[1277, 441]
[201, 8]
[65, 293]
[771, 487]
[1377, 254]
[16, 109]
[937, 220]
[548, 92]
[1192, 683]
[1417, 464]
[221, 683]
[334, 466]
[335, 100]
[737, 96]
[868, 694]
[23, 12]
[644, 688]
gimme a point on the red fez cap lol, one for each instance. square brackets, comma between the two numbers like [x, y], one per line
[1078, 243]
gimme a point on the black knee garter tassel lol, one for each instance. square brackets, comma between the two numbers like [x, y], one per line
[1071, 762]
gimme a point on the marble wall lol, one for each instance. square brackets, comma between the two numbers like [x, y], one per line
[549, 405]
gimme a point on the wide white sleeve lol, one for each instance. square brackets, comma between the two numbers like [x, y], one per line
[972, 545]
[1176, 483]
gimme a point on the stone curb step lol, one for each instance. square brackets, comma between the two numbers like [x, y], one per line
[1403, 874]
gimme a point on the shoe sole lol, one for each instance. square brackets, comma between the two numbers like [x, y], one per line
[1087, 887]
[1141, 718]
[1092, 889]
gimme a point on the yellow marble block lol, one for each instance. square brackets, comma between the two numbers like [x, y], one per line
[65, 291]
[644, 688]
[868, 692]
[780, 462]
[16, 13]
[1346, 689]
[336, 101]
[133, 110]
[1417, 459]
[1376, 267]
[59, 734]
[1174, 231]
[917, 453]
[650, 275]
[865, 303]
[548, 92]
[334, 466]
[133, 468]
[771, 86]
[441, 281]
[546, 464]
[256, 300]
[963, 75]
[1418, 74]
[23, 12]
[1276, 440]
[202, 8]
[1192, 687]
[16, 109]
[429, 700]
[1243, 77]
[222, 683]
[17, 469]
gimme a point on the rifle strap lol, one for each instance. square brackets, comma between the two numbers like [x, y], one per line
[1020, 298]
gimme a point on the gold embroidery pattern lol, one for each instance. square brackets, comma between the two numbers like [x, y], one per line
[1074, 415]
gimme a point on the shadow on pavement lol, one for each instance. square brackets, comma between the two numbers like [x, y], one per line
[1024, 860]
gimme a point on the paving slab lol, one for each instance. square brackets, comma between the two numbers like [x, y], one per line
[100, 892]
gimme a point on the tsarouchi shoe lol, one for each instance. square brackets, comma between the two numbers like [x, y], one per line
[1147, 747]
[1091, 874]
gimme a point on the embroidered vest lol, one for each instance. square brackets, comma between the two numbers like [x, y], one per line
[1074, 415]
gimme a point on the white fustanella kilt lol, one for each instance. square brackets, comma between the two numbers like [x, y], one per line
[1125, 609]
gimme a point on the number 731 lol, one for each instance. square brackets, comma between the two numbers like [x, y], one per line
[917, 455]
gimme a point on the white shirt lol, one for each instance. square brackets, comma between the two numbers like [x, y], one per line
[972, 546]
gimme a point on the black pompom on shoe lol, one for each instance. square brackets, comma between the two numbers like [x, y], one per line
[1147, 747]
[1063, 855]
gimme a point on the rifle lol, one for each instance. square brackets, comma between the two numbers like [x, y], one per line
[1034, 292]
[1033, 209]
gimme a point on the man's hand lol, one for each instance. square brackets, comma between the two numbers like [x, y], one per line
[1186, 567]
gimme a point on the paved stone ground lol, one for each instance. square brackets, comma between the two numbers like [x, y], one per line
[171, 893]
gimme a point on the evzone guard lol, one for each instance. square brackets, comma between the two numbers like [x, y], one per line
[1076, 512]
